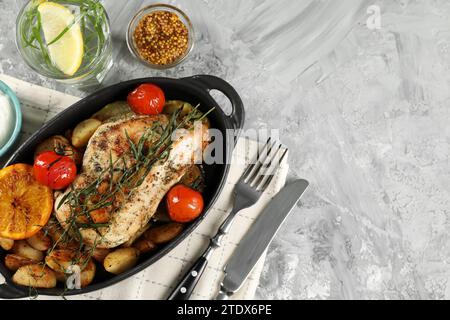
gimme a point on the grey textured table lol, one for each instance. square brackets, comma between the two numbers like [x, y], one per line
[368, 125]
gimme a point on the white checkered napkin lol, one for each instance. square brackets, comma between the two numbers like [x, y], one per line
[157, 281]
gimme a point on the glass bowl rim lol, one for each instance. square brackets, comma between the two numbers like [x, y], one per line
[15, 105]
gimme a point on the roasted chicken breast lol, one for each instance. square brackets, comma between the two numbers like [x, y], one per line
[132, 210]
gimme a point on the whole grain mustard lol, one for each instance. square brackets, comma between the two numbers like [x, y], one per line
[161, 38]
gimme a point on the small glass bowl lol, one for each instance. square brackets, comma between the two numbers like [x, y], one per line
[15, 106]
[154, 8]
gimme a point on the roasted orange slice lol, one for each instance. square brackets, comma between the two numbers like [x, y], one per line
[25, 204]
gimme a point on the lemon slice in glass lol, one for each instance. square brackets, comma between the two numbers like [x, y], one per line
[66, 52]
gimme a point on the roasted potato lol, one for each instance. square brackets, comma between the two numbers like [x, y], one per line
[88, 274]
[84, 131]
[55, 232]
[121, 260]
[61, 276]
[22, 248]
[99, 254]
[164, 233]
[112, 110]
[61, 259]
[68, 245]
[60, 145]
[6, 244]
[36, 276]
[14, 261]
[194, 178]
[173, 105]
[68, 134]
[40, 241]
[144, 245]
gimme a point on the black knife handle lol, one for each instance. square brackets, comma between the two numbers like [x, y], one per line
[187, 285]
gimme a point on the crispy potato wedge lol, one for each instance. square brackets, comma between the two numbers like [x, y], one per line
[22, 248]
[60, 260]
[164, 233]
[112, 110]
[36, 276]
[88, 274]
[60, 145]
[6, 244]
[40, 241]
[14, 261]
[121, 260]
[144, 245]
[84, 131]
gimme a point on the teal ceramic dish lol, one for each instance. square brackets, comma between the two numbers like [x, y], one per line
[15, 106]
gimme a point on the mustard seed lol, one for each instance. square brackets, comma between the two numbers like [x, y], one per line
[161, 37]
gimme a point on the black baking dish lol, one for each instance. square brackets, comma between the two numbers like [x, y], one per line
[194, 90]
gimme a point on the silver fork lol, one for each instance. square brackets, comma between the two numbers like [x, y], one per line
[254, 181]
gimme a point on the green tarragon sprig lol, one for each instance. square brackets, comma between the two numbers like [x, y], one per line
[91, 18]
[128, 175]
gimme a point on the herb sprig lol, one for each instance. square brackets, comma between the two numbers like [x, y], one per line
[124, 176]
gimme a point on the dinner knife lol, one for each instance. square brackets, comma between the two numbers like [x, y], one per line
[258, 238]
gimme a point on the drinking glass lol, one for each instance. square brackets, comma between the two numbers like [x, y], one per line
[95, 29]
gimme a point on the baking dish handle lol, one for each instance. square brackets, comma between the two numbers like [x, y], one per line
[8, 292]
[207, 82]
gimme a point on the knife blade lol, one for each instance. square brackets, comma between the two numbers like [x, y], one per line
[258, 238]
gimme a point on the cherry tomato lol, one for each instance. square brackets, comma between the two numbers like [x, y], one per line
[147, 99]
[54, 170]
[184, 204]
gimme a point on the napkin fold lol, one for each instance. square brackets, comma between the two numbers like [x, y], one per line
[40, 104]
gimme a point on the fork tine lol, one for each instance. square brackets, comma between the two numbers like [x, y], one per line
[263, 186]
[260, 163]
[254, 161]
[252, 164]
[267, 165]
